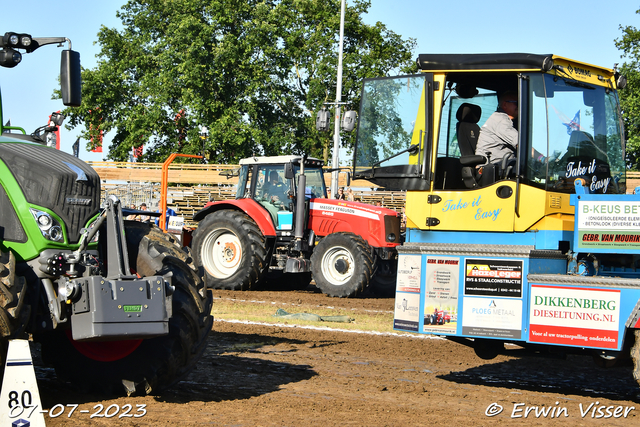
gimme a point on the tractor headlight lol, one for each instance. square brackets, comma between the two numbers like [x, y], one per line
[44, 221]
[9, 58]
[55, 233]
[49, 227]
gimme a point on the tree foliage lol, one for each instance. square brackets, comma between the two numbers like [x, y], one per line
[629, 44]
[254, 72]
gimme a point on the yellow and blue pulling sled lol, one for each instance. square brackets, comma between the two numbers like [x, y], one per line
[538, 246]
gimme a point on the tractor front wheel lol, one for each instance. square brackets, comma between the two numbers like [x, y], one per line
[231, 250]
[342, 265]
[150, 365]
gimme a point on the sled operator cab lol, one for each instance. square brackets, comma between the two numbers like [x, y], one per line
[419, 132]
[537, 245]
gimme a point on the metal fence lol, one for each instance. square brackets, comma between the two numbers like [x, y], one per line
[134, 193]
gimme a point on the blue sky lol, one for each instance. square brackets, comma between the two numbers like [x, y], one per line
[584, 31]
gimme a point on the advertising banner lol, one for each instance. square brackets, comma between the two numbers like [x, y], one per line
[406, 315]
[492, 317]
[407, 304]
[496, 278]
[408, 279]
[175, 224]
[441, 294]
[574, 316]
[608, 224]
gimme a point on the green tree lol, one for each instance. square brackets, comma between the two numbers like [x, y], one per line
[629, 44]
[254, 72]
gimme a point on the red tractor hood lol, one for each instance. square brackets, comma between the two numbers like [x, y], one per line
[373, 223]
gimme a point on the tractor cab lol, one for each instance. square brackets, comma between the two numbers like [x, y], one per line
[272, 182]
[420, 132]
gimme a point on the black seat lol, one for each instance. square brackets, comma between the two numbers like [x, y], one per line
[468, 132]
[467, 128]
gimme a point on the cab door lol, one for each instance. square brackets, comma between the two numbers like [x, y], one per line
[485, 209]
[451, 205]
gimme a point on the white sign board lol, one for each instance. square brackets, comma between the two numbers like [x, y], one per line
[175, 224]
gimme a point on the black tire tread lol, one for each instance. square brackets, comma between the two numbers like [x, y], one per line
[13, 312]
[362, 257]
[382, 283]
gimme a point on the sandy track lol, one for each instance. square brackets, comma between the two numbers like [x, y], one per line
[255, 375]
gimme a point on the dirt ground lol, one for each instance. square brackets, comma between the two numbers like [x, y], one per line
[257, 375]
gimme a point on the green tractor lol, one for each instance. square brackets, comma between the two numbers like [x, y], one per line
[117, 306]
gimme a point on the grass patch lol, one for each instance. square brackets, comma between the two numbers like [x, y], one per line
[264, 312]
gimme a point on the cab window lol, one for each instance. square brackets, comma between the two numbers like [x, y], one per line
[574, 133]
[315, 186]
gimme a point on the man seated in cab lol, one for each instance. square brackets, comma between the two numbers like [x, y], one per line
[274, 190]
[498, 136]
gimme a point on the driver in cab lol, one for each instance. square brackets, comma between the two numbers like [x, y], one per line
[274, 190]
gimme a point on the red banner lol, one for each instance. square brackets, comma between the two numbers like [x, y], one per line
[580, 337]
[137, 152]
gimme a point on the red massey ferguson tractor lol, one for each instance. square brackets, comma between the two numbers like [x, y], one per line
[281, 224]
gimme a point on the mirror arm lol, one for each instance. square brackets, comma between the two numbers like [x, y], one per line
[413, 149]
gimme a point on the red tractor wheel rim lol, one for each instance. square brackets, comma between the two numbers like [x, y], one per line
[105, 351]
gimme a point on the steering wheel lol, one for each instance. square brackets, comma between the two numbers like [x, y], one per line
[504, 169]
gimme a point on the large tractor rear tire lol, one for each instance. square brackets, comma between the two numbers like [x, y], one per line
[14, 313]
[342, 265]
[231, 250]
[142, 366]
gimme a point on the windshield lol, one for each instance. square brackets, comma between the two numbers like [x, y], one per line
[315, 186]
[390, 109]
[575, 132]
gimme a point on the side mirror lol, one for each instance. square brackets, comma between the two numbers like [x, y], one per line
[70, 78]
[288, 171]
[621, 81]
[349, 121]
[57, 118]
[230, 173]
